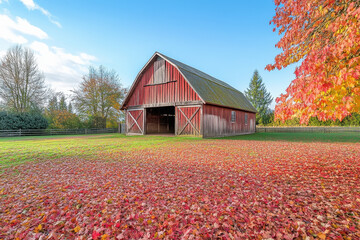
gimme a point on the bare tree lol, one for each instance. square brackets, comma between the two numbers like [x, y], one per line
[99, 94]
[22, 85]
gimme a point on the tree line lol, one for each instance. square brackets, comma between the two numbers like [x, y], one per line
[27, 103]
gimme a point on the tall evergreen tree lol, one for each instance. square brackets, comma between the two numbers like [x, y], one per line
[62, 103]
[259, 97]
[53, 104]
[70, 107]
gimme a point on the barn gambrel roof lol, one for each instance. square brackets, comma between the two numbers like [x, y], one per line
[209, 89]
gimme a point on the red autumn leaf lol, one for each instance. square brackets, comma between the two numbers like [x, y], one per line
[95, 235]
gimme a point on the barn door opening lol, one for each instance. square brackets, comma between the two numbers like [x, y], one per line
[160, 120]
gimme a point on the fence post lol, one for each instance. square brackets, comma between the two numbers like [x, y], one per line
[20, 132]
[85, 131]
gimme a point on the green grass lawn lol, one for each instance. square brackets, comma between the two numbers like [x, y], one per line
[17, 150]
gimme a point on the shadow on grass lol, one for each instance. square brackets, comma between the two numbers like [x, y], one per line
[352, 137]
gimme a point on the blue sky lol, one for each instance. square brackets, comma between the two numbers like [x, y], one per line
[226, 39]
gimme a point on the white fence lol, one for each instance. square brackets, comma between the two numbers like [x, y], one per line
[308, 129]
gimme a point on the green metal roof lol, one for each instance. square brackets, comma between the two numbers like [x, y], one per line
[210, 89]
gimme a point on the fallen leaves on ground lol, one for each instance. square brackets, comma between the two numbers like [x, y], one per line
[215, 189]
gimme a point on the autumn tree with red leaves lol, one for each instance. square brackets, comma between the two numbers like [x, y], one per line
[324, 36]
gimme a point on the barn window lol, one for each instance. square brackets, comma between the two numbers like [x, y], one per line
[246, 118]
[233, 116]
[159, 71]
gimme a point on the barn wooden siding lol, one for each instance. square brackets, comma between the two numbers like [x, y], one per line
[217, 122]
[176, 89]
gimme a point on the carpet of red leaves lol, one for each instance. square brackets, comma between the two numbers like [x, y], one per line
[216, 189]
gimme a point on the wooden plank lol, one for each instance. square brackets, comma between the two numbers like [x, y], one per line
[168, 104]
[202, 121]
[154, 84]
[189, 106]
[144, 121]
[135, 121]
[189, 121]
[176, 122]
[126, 116]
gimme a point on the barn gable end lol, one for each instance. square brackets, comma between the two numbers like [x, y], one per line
[174, 89]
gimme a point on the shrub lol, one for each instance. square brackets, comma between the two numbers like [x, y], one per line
[29, 120]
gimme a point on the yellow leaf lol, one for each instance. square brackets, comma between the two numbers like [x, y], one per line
[104, 237]
[38, 228]
[321, 236]
[77, 228]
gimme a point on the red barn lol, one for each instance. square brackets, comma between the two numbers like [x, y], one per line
[169, 97]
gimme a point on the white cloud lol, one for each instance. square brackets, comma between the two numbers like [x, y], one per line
[87, 57]
[2, 53]
[62, 70]
[31, 5]
[25, 27]
[12, 31]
